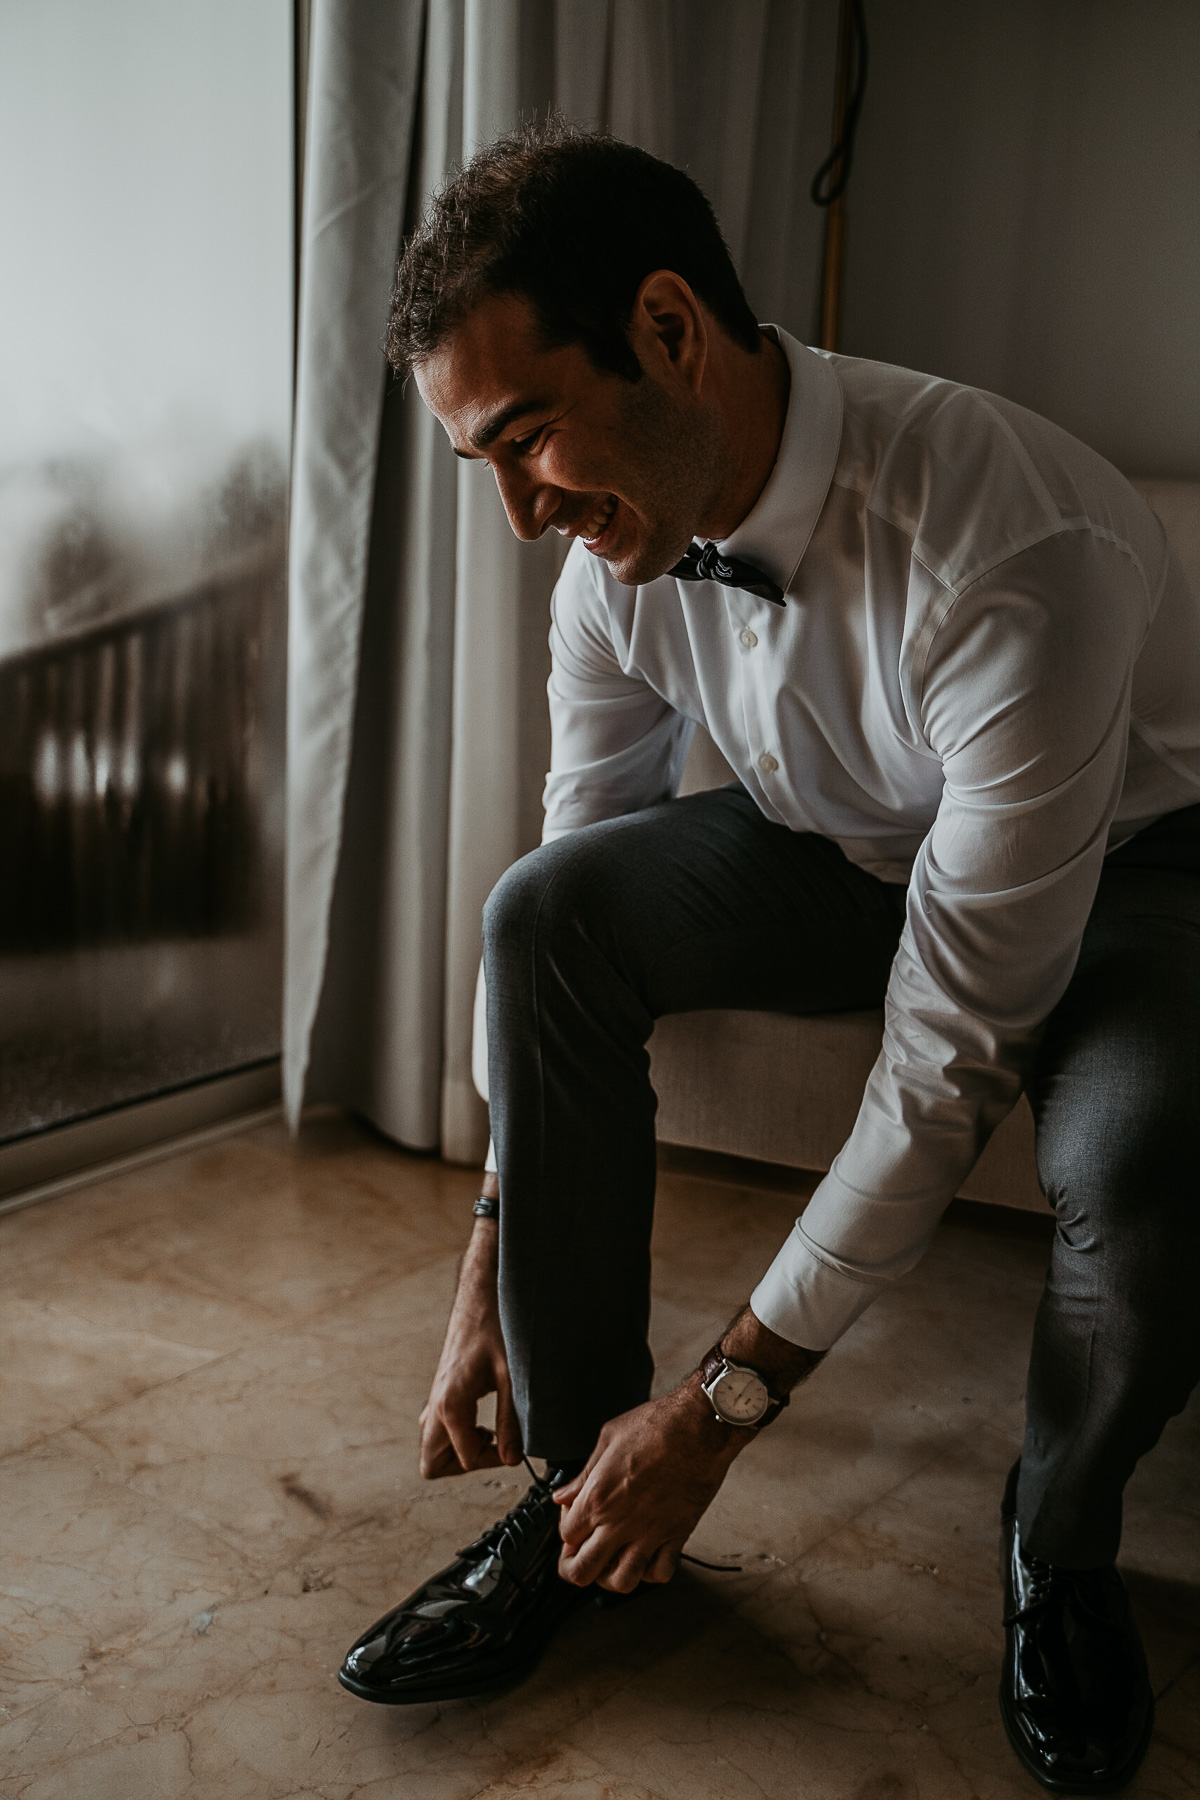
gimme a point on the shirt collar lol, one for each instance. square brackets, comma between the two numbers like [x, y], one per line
[775, 532]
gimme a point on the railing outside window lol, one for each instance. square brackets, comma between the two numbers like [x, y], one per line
[146, 321]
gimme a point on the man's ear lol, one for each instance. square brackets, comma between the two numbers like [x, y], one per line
[669, 331]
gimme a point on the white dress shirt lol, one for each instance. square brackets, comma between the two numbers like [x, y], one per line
[986, 673]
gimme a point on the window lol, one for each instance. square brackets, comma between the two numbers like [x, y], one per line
[145, 396]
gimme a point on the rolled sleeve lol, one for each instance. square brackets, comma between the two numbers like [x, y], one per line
[810, 1296]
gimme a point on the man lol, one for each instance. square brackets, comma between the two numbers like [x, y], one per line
[955, 667]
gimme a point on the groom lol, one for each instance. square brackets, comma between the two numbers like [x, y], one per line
[950, 657]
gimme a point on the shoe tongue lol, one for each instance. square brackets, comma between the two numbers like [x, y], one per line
[491, 1538]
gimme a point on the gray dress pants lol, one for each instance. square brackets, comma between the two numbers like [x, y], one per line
[704, 903]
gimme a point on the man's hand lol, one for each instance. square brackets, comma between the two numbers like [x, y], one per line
[645, 1488]
[655, 1470]
[473, 1363]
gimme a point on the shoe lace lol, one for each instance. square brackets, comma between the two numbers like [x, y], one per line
[1056, 1586]
[494, 1538]
[512, 1532]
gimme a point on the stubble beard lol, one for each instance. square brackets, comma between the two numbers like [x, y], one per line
[672, 470]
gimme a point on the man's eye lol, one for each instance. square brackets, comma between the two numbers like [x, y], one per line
[527, 445]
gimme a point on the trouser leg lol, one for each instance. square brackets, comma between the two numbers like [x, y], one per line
[1116, 1101]
[693, 904]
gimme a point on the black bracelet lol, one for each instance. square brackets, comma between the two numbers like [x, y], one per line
[487, 1208]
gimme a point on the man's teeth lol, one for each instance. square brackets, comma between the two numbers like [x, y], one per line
[596, 524]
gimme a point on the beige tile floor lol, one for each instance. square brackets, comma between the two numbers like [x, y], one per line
[212, 1370]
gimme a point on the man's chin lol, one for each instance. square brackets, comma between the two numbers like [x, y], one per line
[637, 568]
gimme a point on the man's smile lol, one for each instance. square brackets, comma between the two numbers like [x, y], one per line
[594, 525]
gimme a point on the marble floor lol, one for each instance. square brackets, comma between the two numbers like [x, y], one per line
[212, 1371]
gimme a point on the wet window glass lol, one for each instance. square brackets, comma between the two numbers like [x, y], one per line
[145, 394]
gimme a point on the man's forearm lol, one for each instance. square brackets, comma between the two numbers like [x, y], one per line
[479, 1267]
[782, 1364]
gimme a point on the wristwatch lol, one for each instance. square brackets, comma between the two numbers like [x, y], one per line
[739, 1395]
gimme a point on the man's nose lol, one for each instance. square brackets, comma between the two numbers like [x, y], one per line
[530, 505]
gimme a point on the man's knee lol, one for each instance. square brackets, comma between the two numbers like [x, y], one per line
[550, 891]
[1122, 1178]
[511, 909]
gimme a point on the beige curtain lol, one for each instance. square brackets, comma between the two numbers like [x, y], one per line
[418, 736]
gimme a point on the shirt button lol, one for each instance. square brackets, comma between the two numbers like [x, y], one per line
[749, 639]
[767, 761]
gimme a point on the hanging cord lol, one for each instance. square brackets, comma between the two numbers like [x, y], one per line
[829, 182]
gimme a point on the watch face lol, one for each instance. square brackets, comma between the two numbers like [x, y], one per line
[740, 1396]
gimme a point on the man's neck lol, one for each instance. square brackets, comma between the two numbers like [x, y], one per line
[752, 390]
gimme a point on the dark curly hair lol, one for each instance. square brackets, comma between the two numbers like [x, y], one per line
[573, 221]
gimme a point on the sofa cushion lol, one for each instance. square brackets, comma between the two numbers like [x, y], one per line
[787, 1090]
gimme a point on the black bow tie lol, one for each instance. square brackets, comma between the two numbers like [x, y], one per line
[708, 564]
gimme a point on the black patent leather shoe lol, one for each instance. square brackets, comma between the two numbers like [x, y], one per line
[482, 1623]
[1075, 1695]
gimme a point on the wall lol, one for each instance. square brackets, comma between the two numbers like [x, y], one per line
[1023, 209]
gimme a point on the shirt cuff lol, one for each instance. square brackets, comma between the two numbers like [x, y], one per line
[810, 1296]
[808, 1299]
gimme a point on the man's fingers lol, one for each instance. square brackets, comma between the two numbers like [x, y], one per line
[447, 1463]
[437, 1452]
[440, 1461]
[457, 1412]
[619, 1567]
[568, 1494]
[575, 1567]
[625, 1572]
[662, 1566]
[589, 1562]
[574, 1525]
[472, 1444]
[452, 1444]
[570, 1491]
